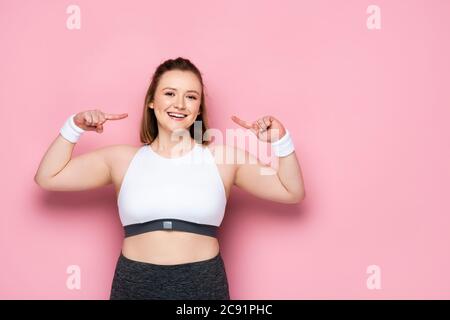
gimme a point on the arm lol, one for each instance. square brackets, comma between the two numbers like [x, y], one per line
[284, 185]
[58, 172]
[290, 175]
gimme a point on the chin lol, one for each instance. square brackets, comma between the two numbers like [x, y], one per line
[175, 127]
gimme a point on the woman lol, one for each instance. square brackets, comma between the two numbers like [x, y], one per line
[171, 196]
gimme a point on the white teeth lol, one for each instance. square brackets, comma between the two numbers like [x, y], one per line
[176, 115]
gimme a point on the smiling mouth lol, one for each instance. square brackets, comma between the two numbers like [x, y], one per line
[176, 116]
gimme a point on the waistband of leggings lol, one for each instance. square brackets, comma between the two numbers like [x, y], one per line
[142, 264]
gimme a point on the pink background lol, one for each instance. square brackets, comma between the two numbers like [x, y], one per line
[368, 111]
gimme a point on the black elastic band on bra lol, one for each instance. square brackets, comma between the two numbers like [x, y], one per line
[171, 224]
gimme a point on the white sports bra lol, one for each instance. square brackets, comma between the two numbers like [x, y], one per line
[184, 193]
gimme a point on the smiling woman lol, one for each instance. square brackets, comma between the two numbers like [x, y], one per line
[171, 249]
[171, 196]
[174, 100]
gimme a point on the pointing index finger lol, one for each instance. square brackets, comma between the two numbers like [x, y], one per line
[109, 116]
[243, 123]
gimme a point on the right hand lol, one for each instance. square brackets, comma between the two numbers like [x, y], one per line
[93, 120]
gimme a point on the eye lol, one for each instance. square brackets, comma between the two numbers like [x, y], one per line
[193, 97]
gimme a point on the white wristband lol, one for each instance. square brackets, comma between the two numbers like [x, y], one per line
[283, 146]
[70, 131]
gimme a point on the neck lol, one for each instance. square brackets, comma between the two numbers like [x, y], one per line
[177, 144]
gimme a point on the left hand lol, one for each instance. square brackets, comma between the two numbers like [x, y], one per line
[267, 129]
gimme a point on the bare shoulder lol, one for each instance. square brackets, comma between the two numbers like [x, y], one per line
[227, 154]
[117, 153]
[118, 157]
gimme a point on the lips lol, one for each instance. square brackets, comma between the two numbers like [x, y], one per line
[176, 116]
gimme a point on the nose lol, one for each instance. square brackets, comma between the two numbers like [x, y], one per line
[180, 103]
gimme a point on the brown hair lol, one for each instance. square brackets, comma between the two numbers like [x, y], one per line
[149, 123]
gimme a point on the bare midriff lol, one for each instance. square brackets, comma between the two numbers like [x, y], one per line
[165, 247]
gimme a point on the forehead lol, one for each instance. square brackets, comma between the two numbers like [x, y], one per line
[181, 80]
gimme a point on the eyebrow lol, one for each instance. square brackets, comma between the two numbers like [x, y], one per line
[186, 91]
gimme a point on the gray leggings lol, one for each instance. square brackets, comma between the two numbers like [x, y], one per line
[200, 280]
